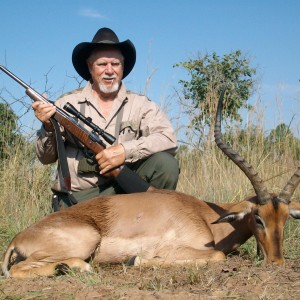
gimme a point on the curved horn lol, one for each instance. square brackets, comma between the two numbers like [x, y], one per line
[289, 189]
[259, 188]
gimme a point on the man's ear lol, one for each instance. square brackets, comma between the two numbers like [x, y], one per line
[89, 65]
[235, 213]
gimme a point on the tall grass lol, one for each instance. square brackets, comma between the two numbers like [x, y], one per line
[205, 173]
[25, 191]
[208, 174]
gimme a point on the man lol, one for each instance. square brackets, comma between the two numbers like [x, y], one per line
[145, 140]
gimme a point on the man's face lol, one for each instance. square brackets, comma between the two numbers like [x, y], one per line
[106, 68]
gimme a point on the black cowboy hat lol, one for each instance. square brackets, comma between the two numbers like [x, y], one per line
[104, 36]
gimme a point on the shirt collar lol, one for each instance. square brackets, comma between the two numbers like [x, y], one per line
[87, 96]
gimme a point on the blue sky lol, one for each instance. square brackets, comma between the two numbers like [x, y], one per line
[38, 36]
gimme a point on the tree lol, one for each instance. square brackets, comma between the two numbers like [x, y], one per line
[8, 126]
[208, 74]
[282, 139]
[280, 133]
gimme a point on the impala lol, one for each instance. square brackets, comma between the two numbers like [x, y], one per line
[158, 227]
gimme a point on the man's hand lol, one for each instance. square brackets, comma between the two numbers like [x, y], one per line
[110, 158]
[44, 111]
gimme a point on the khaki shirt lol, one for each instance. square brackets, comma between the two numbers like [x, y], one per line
[144, 130]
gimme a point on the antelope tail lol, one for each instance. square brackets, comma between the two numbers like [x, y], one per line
[6, 260]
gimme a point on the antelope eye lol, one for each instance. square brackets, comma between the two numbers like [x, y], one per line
[259, 221]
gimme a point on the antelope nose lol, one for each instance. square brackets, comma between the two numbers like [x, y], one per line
[278, 262]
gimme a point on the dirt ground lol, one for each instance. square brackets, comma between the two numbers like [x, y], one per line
[235, 278]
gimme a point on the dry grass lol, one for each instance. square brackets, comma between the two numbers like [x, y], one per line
[209, 175]
[205, 173]
[236, 278]
[25, 192]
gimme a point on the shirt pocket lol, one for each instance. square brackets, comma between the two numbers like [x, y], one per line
[129, 131]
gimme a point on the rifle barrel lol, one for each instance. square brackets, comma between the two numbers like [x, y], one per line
[127, 179]
[14, 77]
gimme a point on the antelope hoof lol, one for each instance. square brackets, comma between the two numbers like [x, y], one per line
[131, 261]
[61, 269]
[137, 261]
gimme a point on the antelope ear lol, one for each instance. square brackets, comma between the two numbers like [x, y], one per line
[294, 210]
[235, 213]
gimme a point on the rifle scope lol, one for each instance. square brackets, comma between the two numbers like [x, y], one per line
[88, 121]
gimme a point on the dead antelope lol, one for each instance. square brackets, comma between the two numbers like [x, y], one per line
[159, 227]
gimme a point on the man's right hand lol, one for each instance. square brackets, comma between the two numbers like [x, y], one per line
[44, 111]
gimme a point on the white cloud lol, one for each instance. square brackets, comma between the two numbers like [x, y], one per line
[91, 13]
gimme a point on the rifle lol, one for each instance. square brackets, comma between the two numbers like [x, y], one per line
[128, 180]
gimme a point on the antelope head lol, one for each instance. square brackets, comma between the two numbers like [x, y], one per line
[267, 213]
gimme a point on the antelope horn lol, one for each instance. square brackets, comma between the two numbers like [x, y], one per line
[259, 188]
[289, 189]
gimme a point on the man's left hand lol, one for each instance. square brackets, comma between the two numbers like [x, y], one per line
[110, 158]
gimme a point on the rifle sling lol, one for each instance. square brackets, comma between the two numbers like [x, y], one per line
[118, 122]
[64, 168]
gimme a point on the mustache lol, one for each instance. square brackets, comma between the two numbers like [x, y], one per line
[108, 77]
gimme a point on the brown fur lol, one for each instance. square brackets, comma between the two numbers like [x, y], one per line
[156, 227]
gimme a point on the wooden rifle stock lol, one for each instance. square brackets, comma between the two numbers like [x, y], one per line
[129, 181]
[88, 139]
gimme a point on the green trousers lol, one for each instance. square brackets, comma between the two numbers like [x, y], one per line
[161, 170]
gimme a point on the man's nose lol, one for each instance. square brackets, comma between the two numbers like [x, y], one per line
[109, 68]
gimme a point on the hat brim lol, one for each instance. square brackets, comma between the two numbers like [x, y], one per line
[83, 50]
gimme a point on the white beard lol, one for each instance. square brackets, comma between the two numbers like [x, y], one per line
[108, 90]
